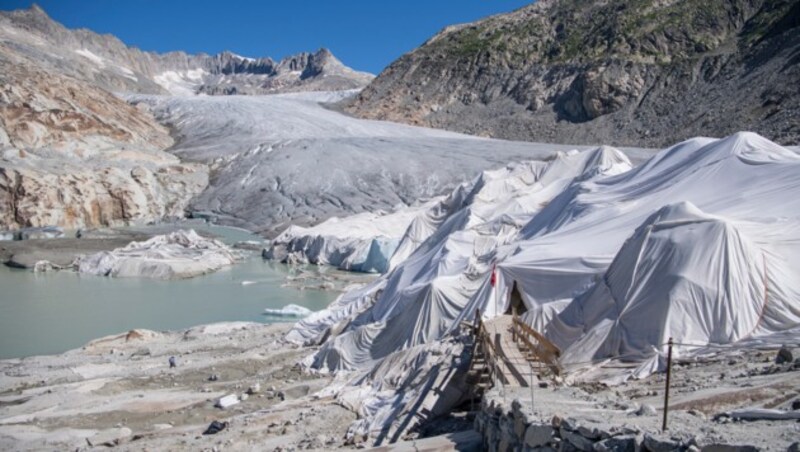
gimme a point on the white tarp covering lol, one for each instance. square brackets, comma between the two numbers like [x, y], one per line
[700, 243]
[423, 297]
[683, 274]
[553, 228]
[363, 242]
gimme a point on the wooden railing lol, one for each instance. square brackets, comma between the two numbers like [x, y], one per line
[483, 344]
[536, 347]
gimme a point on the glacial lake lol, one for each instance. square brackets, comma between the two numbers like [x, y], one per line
[46, 313]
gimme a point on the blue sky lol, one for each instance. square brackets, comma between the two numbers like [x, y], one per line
[364, 34]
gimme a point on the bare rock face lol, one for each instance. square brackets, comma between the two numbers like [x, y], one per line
[89, 197]
[606, 89]
[39, 108]
[626, 73]
[74, 155]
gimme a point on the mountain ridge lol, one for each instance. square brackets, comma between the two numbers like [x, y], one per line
[613, 72]
[105, 60]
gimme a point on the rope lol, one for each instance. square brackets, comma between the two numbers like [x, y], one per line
[715, 346]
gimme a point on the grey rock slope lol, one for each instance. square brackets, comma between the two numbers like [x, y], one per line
[645, 72]
[108, 63]
[284, 159]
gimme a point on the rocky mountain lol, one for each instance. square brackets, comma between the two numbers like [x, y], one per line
[74, 155]
[644, 72]
[108, 63]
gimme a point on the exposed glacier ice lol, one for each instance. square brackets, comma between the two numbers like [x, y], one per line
[290, 310]
[177, 255]
[321, 163]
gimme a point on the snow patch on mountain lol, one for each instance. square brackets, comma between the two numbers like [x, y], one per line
[180, 83]
[91, 56]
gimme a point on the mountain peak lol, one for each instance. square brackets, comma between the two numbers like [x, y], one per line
[324, 52]
[36, 9]
[107, 62]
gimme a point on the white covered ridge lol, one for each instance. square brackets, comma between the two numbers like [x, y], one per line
[729, 223]
[362, 243]
[180, 254]
[683, 274]
[423, 296]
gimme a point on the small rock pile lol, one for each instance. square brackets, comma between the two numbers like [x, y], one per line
[514, 429]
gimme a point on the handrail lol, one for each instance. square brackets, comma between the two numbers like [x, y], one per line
[491, 354]
[543, 350]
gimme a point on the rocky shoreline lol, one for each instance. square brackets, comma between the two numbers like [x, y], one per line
[120, 390]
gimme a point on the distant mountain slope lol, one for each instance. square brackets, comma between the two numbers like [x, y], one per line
[108, 63]
[641, 72]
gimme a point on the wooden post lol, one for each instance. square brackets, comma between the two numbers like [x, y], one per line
[666, 390]
[514, 324]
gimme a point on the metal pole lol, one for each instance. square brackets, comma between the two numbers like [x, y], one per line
[666, 390]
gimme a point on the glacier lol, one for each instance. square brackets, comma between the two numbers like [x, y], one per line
[288, 159]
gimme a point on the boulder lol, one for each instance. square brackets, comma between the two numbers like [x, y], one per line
[653, 443]
[576, 440]
[538, 435]
[625, 443]
[594, 430]
[784, 355]
[646, 410]
[110, 437]
[728, 448]
[215, 427]
[227, 401]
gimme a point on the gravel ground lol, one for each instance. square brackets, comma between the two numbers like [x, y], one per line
[122, 390]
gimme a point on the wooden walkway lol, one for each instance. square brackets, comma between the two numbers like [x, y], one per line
[515, 368]
[512, 356]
